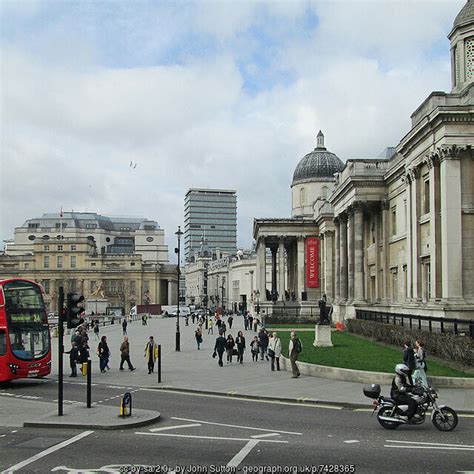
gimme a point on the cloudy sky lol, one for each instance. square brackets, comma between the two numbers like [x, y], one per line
[227, 94]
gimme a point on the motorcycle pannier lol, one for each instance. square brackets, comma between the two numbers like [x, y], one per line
[372, 391]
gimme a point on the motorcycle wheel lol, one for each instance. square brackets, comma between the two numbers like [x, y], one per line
[445, 419]
[388, 425]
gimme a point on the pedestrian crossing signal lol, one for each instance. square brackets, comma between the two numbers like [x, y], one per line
[74, 311]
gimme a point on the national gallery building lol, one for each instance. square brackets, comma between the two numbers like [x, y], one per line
[393, 234]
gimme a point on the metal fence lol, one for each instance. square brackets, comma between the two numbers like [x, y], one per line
[292, 311]
[462, 327]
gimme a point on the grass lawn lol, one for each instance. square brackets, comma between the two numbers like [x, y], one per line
[353, 352]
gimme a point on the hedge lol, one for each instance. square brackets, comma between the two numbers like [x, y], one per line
[443, 345]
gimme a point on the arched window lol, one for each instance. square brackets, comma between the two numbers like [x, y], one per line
[325, 192]
[302, 196]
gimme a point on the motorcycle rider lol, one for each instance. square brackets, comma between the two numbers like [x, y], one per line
[400, 389]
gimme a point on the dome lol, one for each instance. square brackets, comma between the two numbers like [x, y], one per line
[466, 15]
[320, 163]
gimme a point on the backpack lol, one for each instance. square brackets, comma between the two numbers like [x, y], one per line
[298, 346]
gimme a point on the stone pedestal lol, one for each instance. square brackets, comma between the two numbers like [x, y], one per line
[96, 305]
[322, 335]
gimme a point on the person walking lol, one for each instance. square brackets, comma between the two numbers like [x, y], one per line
[250, 322]
[151, 354]
[103, 352]
[219, 348]
[294, 349]
[124, 326]
[96, 330]
[198, 336]
[210, 325]
[255, 324]
[419, 375]
[230, 320]
[229, 347]
[240, 342]
[409, 360]
[263, 338]
[254, 348]
[274, 351]
[222, 329]
[125, 354]
[73, 359]
[246, 321]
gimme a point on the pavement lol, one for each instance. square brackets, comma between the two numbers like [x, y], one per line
[193, 371]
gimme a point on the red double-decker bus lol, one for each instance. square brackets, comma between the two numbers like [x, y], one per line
[25, 343]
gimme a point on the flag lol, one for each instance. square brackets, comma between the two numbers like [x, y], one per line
[61, 212]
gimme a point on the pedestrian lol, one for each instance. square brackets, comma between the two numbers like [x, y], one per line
[83, 354]
[240, 342]
[151, 354]
[254, 348]
[73, 359]
[229, 347]
[250, 320]
[246, 321]
[294, 349]
[409, 360]
[96, 330]
[222, 329]
[124, 326]
[210, 325]
[419, 376]
[125, 354]
[198, 336]
[230, 320]
[103, 352]
[219, 349]
[274, 351]
[255, 324]
[263, 338]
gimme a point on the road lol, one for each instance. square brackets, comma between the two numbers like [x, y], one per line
[228, 435]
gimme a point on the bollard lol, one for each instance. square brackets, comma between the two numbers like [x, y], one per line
[159, 363]
[124, 402]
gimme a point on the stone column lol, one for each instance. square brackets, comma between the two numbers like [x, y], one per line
[300, 267]
[451, 223]
[350, 255]
[337, 249]
[328, 265]
[415, 229]
[260, 269]
[378, 265]
[281, 269]
[358, 253]
[274, 268]
[386, 251]
[343, 258]
[322, 264]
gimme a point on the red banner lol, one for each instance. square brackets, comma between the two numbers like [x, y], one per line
[312, 262]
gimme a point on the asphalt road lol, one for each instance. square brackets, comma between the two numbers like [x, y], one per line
[217, 432]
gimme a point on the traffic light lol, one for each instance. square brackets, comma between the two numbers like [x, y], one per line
[73, 310]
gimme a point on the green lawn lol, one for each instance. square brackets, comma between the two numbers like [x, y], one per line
[353, 352]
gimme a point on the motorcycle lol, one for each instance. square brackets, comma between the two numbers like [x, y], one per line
[391, 415]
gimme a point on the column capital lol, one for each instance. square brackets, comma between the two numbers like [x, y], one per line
[450, 152]
[337, 221]
[412, 174]
[358, 206]
[301, 238]
[343, 217]
[431, 160]
[385, 205]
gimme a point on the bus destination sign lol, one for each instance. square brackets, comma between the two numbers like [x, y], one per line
[17, 318]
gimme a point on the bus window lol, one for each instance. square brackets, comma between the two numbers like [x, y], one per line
[22, 294]
[3, 343]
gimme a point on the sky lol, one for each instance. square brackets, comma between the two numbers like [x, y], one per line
[227, 94]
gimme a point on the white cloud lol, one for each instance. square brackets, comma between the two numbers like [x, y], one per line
[194, 124]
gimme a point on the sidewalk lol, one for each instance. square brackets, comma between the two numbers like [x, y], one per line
[195, 370]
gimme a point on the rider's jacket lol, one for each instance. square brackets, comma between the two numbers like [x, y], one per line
[399, 386]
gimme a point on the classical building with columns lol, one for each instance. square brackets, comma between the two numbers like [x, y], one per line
[393, 234]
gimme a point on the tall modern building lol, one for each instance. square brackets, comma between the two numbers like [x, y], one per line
[210, 214]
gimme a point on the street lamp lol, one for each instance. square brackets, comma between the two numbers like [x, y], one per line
[178, 250]
[222, 284]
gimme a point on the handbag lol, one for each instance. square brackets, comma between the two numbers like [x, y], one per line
[271, 353]
[214, 354]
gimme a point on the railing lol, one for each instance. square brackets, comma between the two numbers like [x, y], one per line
[425, 323]
[295, 311]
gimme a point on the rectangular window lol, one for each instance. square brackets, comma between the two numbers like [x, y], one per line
[73, 248]
[60, 261]
[46, 286]
[93, 264]
[92, 285]
[60, 247]
[405, 215]
[3, 342]
[27, 266]
[72, 285]
[33, 225]
[46, 248]
[46, 261]
[73, 261]
[133, 287]
[394, 220]
[132, 264]
[394, 285]
[426, 197]
[146, 286]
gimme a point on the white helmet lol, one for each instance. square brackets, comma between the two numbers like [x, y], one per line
[401, 369]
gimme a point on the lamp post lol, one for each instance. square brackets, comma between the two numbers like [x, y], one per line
[222, 285]
[178, 250]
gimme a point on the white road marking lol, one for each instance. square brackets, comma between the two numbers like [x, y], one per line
[240, 456]
[267, 435]
[428, 447]
[14, 431]
[164, 428]
[427, 443]
[237, 426]
[209, 437]
[351, 441]
[2, 436]
[44, 453]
